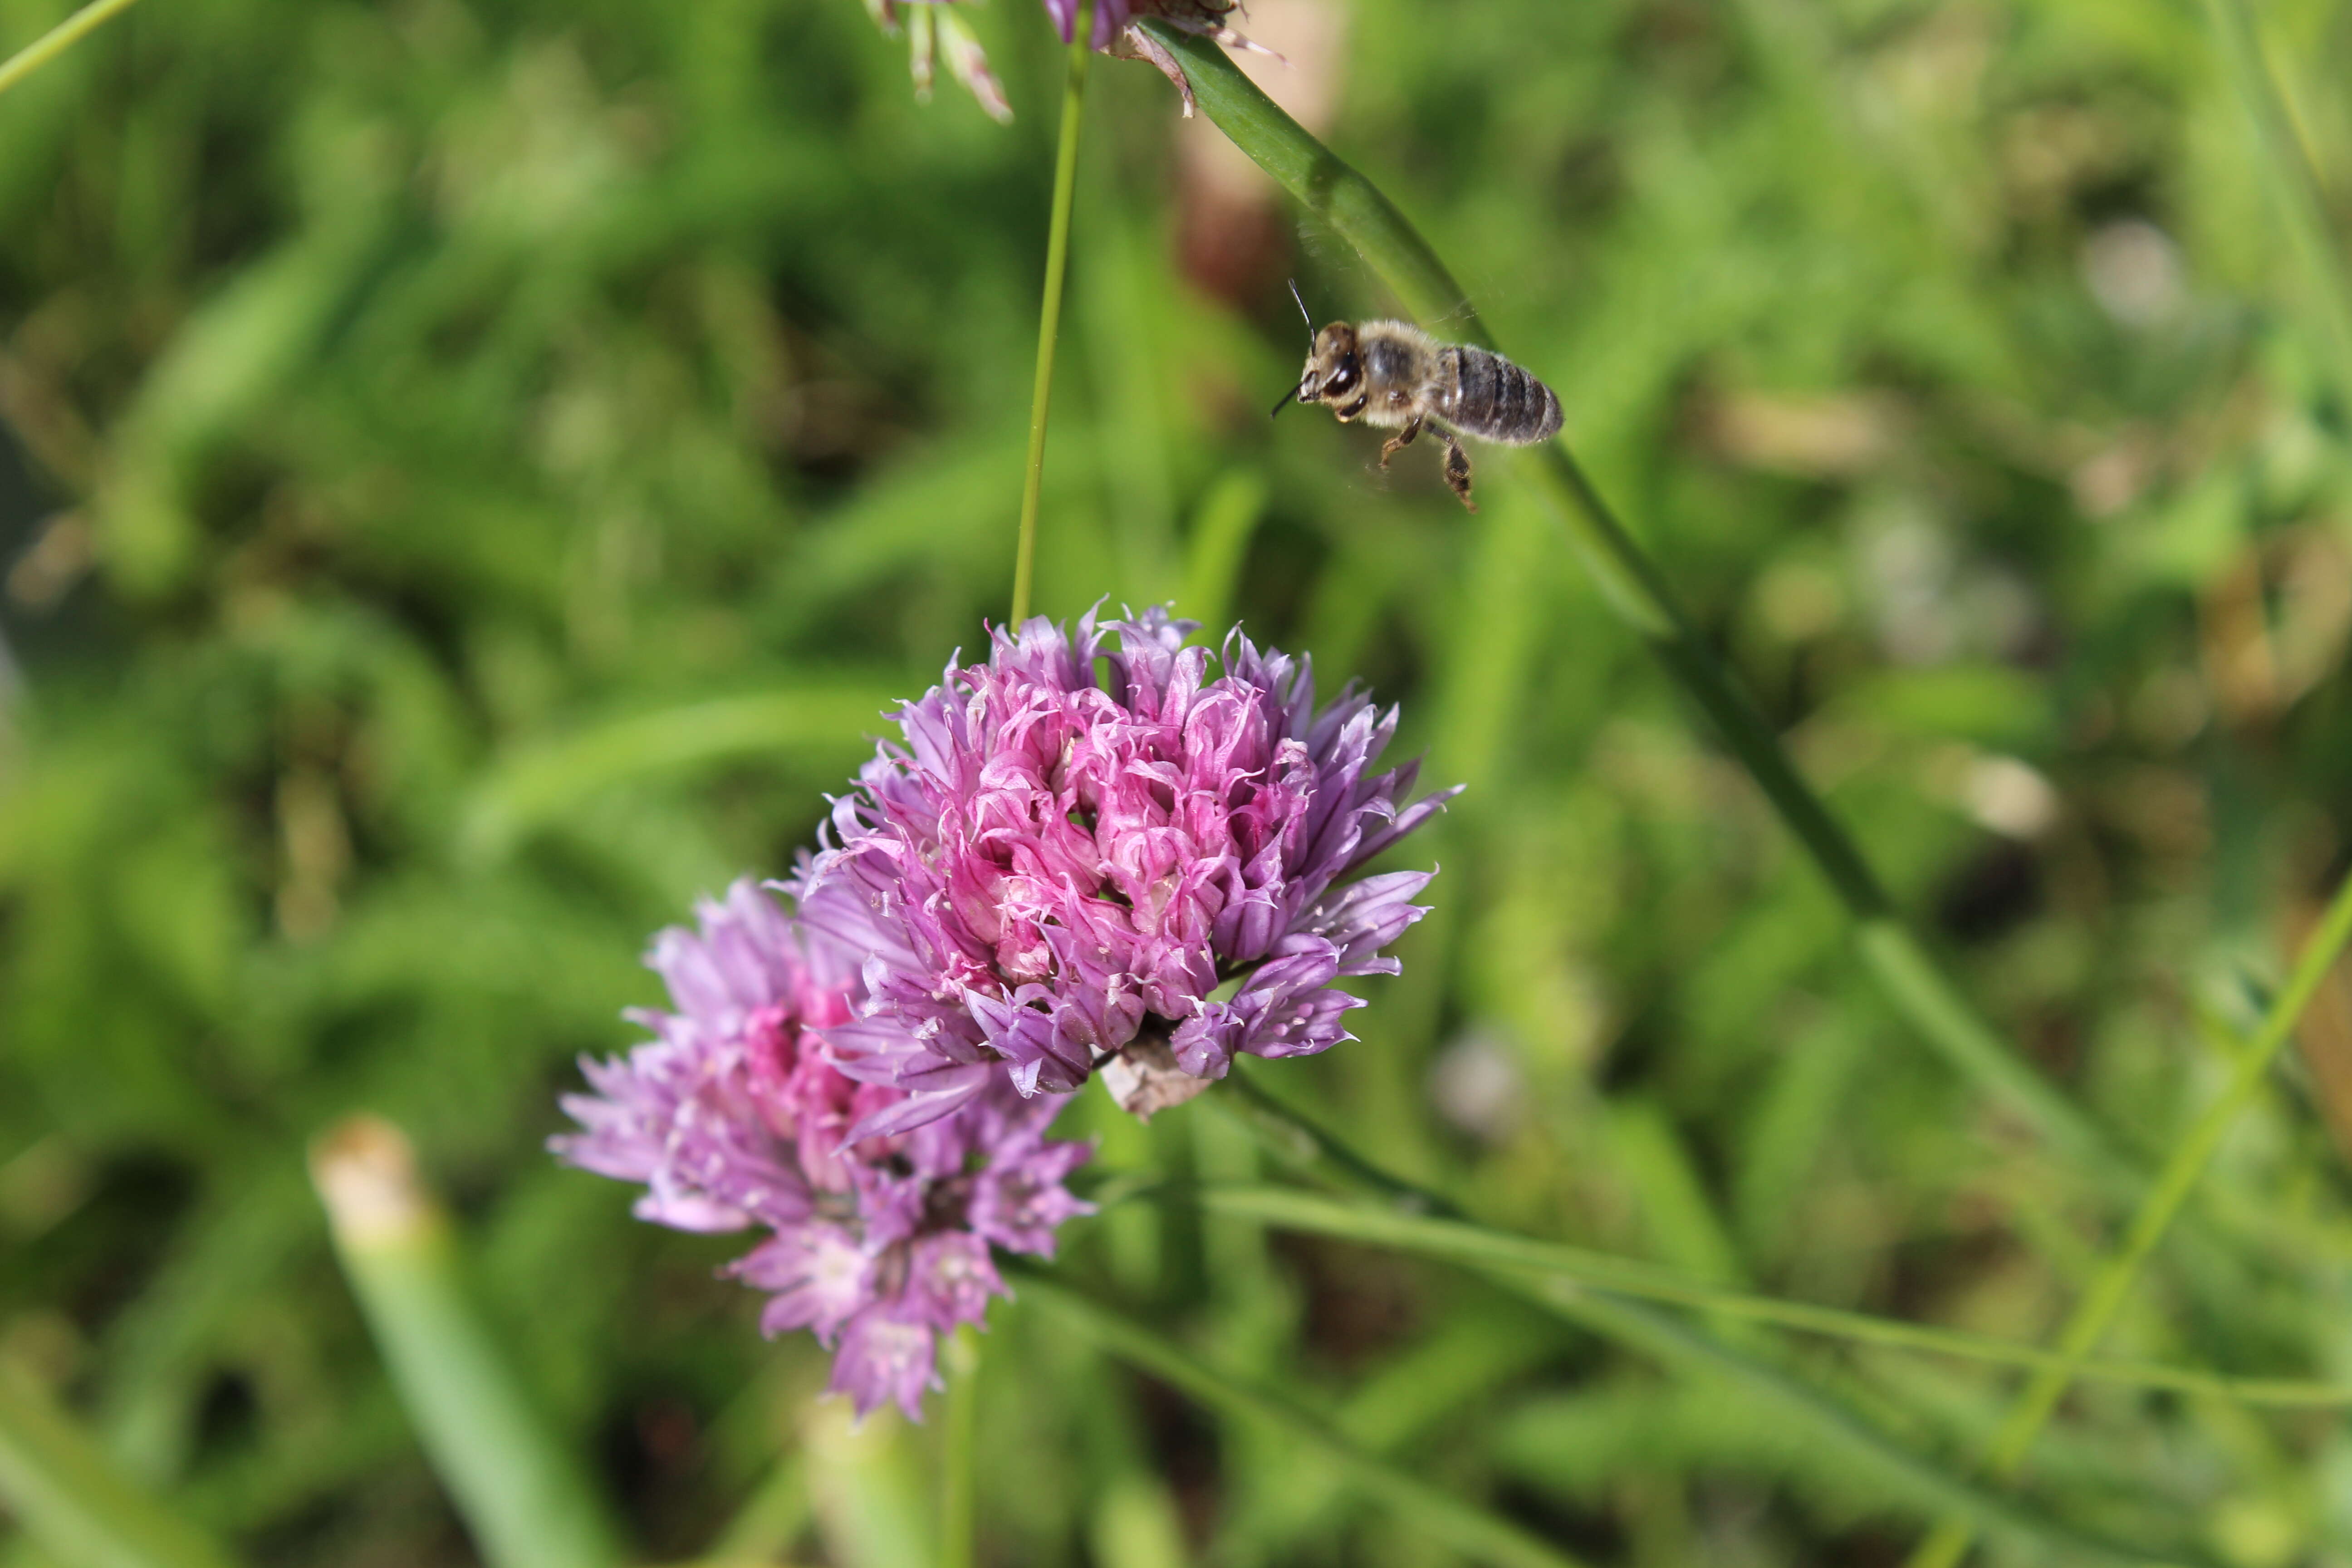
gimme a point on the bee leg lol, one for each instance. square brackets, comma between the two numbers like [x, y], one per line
[1457, 472]
[1399, 442]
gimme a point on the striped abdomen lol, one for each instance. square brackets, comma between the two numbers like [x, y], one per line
[1486, 396]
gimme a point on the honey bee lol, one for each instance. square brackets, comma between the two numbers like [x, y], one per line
[1395, 377]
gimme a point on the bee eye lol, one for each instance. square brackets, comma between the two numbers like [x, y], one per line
[1342, 381]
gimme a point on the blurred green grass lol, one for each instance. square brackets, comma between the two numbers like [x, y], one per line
[479, 463]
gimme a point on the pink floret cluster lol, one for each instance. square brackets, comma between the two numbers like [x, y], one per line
[1104, 852]
[736, 1115]
[1056, 868]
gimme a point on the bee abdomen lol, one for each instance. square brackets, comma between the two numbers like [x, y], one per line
[1488, 396]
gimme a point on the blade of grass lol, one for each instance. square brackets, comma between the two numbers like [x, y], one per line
[541, 780]
[1634, 586]
[58, 39]
[1049, 314]
[1773, 1396]
[2095, 1314]
[868, 1485]
[771, 1520]
[960, 1462]
[70, 1498]
[1220, 540]
[1287, 1208]
[2294, 184]
[522, 1497]
[1918, 1481]
[1468, 1528]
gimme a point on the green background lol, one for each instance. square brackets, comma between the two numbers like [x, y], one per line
[473, 476]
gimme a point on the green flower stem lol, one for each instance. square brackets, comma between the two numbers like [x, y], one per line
[1468, 1528]
[1912, 1479]
[2294, 184]
[959, 1492]
[1357, 211]
[70, 1498]
[1049, 315]
[1572, 1267]
[2095, 1314]
[58, 39]
[522, 1497]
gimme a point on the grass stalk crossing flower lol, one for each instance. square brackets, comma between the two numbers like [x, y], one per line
[1633, 584]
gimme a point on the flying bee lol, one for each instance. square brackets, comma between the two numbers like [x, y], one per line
[1395, 377]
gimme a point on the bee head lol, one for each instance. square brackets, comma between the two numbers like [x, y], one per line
[1331, 371]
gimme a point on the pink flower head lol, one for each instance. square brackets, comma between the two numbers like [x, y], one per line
[1052, 870]
[734, 1115]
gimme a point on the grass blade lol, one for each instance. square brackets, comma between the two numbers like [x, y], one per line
[872, 1510]
[1920, 1482]
[522, 1496]
[1287, 1208]
[70, 1498]
[1359, 214]
[58, 39]
[541, 780]
[1467, 1526]
[959, 1461]
[2095, 1314]
[2294, 184]
[1773, 1396]
[771, 1520]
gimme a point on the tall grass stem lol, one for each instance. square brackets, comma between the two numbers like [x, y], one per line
[46, 48]
[1634, 585]
[1049, 314]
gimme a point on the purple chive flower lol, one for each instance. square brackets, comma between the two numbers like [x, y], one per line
[1053, 873]
[1115, 32]
[734, 1116]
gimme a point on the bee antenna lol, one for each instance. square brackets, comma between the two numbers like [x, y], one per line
[1281, 402]
[1302, 308]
